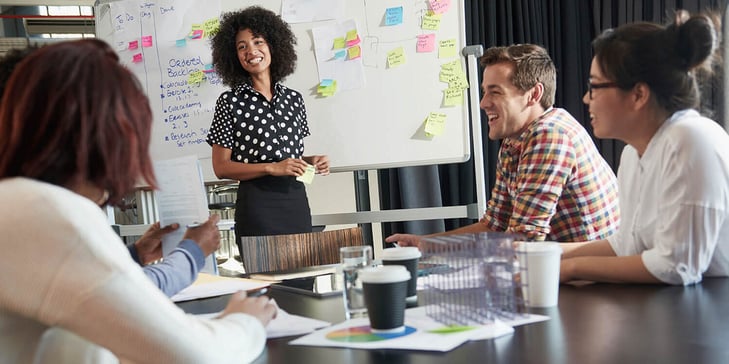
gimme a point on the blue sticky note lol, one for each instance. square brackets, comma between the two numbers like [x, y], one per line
[393, 16]
[340, 54]
[326, 82]
[181, 42]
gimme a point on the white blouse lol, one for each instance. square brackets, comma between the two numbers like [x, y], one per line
[70, 292]
[674, 201]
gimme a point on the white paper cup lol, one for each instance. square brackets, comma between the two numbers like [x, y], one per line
[540, 272]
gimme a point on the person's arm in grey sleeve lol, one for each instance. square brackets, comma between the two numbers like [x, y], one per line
[178, 269]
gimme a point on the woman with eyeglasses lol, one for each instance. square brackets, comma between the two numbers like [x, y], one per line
[674, 172]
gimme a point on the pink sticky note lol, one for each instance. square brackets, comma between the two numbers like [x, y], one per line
[440, 6]
[137, 58]
[426, 43]
[197, 34]
[133, 45]
[147, 41]
[353, 42]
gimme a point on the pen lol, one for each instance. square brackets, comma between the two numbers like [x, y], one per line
[257, 292]
[193, 225]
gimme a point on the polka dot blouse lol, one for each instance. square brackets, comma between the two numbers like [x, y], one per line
[258, 131]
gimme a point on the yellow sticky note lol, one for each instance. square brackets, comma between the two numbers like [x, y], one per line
[308, 175]
[447, 48]
[430, 21]
[196, 31]
[435, 123]
[195, 77]
[211, 26]
[339, 43]
[351, 35]
[396, 57]
[452, 96]
[327, 87]
[458, 80]
[354, 52]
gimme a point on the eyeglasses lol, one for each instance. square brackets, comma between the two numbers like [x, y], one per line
[592, 86]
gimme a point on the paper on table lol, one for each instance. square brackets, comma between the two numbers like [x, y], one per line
[424, 338]
[208, 285]
[181, 199]
[286, 324]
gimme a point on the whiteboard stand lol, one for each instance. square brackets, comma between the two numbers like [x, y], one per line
[472, 53]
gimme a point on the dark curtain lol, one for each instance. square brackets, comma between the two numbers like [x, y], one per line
[565, 28]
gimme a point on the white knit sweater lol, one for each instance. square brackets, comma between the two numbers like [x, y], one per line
[70, 292]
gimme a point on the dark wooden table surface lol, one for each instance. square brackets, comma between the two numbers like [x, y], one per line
[598, 323]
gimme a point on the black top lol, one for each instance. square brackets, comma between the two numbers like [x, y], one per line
[258, 131]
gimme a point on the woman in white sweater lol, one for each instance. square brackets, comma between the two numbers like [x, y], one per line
[674, 172]
[74, 135]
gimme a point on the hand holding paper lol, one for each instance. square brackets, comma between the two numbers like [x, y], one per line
[207, 235]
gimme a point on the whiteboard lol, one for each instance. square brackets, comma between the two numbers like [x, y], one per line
[379, 123]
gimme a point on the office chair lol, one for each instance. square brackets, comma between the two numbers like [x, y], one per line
[283, 252]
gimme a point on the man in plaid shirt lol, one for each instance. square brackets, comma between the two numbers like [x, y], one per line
[551, 181]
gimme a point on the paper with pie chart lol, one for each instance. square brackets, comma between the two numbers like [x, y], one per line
[421, 333]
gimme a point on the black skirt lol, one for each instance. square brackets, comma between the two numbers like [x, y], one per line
[271, 206]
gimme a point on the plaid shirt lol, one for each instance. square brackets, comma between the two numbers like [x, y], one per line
[553, 184]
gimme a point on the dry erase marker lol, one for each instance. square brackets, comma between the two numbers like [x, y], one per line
[193, 225]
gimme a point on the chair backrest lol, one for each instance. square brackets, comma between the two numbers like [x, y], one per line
[283, 252]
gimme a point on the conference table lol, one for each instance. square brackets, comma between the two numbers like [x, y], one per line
[592, 323]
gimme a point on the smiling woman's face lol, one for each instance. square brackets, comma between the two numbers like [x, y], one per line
[253, 52]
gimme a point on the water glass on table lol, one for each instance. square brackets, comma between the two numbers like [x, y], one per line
[354, 259]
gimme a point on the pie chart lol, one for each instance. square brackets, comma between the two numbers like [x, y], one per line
[364, 334]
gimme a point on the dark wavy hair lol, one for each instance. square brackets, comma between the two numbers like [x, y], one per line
[264, 23]
[666, 58]
[532, 65]
[72, 114]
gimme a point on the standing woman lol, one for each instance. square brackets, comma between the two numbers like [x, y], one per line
[674, 172]
[258, 129]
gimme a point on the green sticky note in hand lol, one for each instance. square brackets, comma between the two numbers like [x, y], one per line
[308, 175]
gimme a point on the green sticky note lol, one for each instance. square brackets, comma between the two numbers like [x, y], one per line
[308, 175]
[451, 329]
